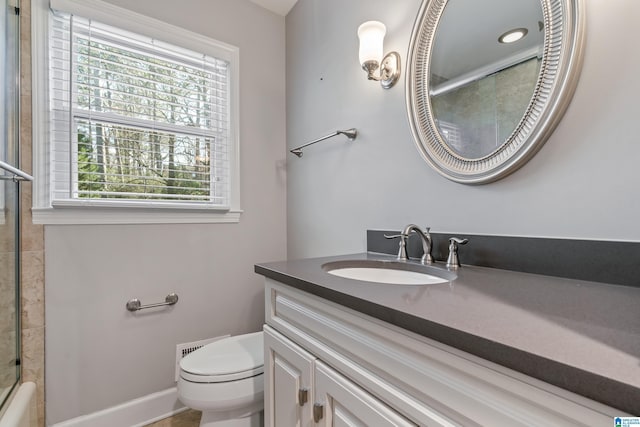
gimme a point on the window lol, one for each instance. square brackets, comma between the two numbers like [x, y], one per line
[135, 122]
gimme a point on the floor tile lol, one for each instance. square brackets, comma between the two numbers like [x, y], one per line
[190, 418]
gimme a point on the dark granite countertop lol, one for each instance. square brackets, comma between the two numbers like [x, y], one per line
[579, 335]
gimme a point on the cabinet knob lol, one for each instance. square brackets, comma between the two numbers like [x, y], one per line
[303, 396]
[318, 411]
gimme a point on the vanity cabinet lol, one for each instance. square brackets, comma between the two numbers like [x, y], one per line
[346, 404]
[296, 381]
[363, 371]
[288, 377]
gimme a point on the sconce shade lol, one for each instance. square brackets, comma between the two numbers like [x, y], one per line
[371, 35]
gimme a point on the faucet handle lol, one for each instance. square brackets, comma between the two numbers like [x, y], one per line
[452, 261]
[458, 241]
[394, 236]
[402, 247]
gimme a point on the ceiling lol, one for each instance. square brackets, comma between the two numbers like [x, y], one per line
[281, 7]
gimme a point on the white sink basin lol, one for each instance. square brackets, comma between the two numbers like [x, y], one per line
[394, 273]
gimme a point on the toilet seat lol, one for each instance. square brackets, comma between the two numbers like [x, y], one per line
[229, 359]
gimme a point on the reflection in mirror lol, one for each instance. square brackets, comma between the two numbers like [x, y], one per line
[482, 101]
[479, 95]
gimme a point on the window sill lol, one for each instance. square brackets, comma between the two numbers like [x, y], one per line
[111, 215]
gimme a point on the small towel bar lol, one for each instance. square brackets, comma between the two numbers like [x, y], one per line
[135, 304]
[349, 133]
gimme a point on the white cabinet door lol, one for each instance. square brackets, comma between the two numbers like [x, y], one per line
[288, 371]
[341, 403]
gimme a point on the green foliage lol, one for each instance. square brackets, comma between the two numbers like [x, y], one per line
[89, 180]
[129, 162]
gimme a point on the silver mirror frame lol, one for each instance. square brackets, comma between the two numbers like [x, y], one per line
[559, 72]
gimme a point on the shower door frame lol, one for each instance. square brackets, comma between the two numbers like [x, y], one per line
[10, 174]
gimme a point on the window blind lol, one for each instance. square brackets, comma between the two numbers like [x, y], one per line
[135, 119]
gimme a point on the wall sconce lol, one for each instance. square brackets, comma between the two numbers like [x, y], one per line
[371, 35]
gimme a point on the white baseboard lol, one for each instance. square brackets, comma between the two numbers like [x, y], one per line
[136, 413]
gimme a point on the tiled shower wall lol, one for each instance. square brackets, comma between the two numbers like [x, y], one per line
[32, 251]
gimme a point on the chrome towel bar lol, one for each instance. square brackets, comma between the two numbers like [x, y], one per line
[349, 133]
[135, 304]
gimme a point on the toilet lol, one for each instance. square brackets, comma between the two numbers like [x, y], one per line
[225, 381]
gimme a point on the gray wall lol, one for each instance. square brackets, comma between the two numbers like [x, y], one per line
[97, 353]
[582, 184]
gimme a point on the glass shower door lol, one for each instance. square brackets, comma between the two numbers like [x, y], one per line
[9, 292]
[10, 179]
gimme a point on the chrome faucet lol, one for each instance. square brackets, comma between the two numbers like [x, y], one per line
[452, 261]
[426, 243]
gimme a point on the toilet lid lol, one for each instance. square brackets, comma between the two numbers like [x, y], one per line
[228, 359]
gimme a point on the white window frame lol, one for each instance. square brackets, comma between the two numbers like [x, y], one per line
[114, 211]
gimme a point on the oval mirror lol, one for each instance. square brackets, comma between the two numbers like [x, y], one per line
[488, 81]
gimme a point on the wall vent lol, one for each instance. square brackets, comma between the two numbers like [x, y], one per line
[188, 347]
